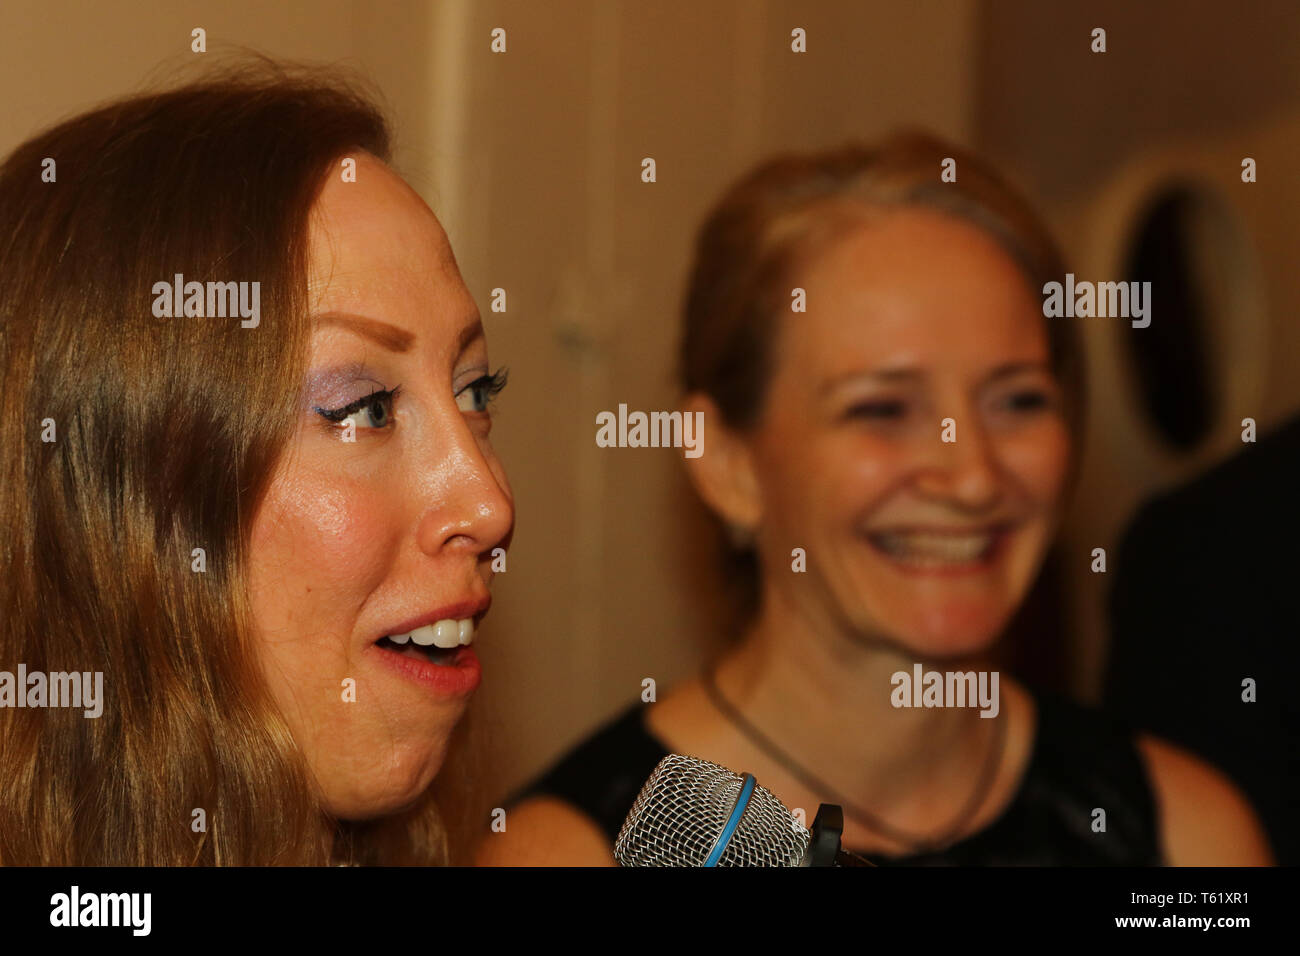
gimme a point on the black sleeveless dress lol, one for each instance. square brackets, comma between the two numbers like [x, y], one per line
[1082, 759]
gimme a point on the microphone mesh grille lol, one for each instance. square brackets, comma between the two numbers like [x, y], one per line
[682, 809]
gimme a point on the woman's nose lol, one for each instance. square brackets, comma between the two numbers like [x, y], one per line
[470, 506]
[965, 470]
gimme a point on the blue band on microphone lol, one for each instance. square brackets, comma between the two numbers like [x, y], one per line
[742, 801]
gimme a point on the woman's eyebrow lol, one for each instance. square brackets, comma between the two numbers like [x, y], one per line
[1015, 368]
[889, 374]
[387, 335]
[901, 374]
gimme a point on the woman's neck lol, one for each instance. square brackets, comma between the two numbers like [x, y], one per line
[827, 695]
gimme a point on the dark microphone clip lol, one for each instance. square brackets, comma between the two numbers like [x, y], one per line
[824, 847]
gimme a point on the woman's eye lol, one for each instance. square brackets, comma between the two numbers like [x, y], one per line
[374, 411]
[883, 409]
[1029, 400]
[477, 395]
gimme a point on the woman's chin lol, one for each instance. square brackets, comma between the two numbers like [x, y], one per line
[950, 629]
[968, 639]
[361, 800]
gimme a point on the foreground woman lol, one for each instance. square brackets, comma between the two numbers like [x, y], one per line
[247, 481]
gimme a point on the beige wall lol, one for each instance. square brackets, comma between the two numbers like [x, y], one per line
[59, 57]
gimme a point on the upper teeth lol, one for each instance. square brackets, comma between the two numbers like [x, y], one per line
[445, 633]
[935, 546]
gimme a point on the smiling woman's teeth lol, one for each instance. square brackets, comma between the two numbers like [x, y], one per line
[930, 549]
[444, 634]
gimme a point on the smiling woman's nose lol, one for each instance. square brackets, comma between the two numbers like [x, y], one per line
[964, 471]
[469, 506]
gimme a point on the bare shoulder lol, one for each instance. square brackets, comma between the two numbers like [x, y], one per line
[1205, 819]
[545, 831]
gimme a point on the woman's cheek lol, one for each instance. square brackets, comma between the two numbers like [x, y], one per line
[1038, 459]
[820, 484]
[875, 463]
[325, 551]
[341, 524]
[857, 473]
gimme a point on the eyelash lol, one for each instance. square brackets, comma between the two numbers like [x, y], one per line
[385, 395]
[489, 385]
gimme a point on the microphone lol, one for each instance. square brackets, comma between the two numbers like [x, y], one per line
[695, 813]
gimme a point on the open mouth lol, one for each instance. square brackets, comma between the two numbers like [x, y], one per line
[940, 550]
[438, 643]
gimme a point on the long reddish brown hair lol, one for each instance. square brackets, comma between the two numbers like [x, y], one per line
[166, 432]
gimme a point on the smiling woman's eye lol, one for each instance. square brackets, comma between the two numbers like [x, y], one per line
[889, 409]
[373, 411]
[1027, 400]
[477, 395]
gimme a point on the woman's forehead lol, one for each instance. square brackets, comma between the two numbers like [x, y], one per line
[877, 298]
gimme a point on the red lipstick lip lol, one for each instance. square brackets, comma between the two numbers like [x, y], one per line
[474, 608]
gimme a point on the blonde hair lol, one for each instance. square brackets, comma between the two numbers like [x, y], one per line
[166, 432]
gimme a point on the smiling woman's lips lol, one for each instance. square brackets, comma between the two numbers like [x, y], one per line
[941, 551]
[458, 676]
[435, 649]
[472, 610]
